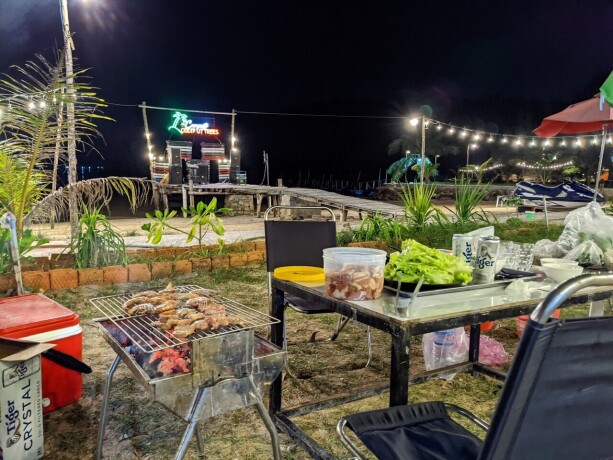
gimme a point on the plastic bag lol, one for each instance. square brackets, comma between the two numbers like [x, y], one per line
[444, 348]
[587, 223]
[608, 259]
[491, 352]
[587, 253]
[546, 248]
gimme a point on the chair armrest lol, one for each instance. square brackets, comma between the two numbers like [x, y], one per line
[351, 447]
[467, 414]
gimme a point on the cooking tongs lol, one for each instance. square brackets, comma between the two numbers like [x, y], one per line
[58, 357]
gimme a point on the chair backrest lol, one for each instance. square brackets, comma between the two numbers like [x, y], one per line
[558, 397]
[297, 242]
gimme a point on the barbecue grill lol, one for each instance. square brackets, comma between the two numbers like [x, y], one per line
[207, 374]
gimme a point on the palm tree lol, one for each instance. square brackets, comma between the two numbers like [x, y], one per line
[30, 131]
[479, 170]
[430, 170]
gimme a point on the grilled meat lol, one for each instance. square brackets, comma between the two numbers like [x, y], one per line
[186, 295]
[197, 302]
[183, 331]
[141, 309]
[168, 305]
[144, 294]
[170, 288]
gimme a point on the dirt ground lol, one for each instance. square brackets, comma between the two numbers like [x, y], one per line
[138, 428]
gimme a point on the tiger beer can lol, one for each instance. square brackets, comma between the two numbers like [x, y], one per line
[463, 247]
[485, 261]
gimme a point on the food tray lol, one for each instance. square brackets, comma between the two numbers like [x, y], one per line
[410, 287]
[452, 288]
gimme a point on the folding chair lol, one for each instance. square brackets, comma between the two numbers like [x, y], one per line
[293, 242]
[556, 403]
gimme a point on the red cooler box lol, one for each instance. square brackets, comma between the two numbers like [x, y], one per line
[36, 317]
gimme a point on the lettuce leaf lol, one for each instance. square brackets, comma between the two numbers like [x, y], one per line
[416, 260]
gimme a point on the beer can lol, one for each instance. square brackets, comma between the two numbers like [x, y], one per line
[485, 261]
[463, 246]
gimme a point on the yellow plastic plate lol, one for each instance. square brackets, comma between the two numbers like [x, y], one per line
[299, 273]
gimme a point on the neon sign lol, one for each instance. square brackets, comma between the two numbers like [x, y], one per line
[184, 125]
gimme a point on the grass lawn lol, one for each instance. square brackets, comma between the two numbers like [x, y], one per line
[137, 428]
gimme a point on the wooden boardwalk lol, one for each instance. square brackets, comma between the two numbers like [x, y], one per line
[273, 194]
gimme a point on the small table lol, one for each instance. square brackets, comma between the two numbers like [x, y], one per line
[429, 313]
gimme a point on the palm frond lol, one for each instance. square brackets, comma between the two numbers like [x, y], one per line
[31, 127]
[91, 194]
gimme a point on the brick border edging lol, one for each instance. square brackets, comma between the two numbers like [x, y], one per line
[69, 278]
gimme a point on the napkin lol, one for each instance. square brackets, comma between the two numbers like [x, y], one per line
[522, 290]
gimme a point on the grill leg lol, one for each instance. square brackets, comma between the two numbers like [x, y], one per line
[193, 421]
[270, 426]
[200, 441]
[105, 406]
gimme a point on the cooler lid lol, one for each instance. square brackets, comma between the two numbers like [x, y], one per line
[33, 313]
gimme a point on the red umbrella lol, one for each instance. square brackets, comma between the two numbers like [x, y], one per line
[581, 118]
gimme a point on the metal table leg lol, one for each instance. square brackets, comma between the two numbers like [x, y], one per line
[399, 378]
[277, 311]
[596, 308]
[105, 406]
[473, 347]
[193, 421]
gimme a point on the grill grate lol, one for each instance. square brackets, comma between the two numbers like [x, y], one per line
[141, 331]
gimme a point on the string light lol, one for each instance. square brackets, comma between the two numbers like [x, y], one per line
[517, 140]
[537, 165]
[475, 168]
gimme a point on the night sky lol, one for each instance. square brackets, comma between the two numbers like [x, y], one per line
[499, 66]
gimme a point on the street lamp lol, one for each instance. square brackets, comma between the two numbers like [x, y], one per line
[468, 147]
[424, 122]
[436, 160]
[70, 120]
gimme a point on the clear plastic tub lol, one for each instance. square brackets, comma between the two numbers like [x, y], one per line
[354, 273]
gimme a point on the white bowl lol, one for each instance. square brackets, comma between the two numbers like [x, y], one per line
[553, 260]
[561, 272]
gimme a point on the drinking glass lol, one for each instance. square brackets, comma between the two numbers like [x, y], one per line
[507, 254]
[525, 256]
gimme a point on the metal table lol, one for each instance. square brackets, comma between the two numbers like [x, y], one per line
[429, 313]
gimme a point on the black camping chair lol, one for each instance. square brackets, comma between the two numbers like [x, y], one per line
[295, 242]
[556, 402]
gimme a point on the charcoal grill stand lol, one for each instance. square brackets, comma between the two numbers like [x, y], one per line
[194, 419]
[230, 367]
